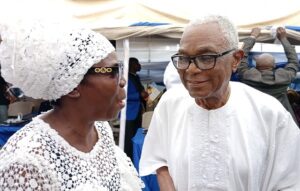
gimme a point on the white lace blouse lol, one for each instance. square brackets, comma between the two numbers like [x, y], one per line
[37, 158]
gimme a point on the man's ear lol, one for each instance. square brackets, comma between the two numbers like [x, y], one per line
[238, 56]
[74, 93]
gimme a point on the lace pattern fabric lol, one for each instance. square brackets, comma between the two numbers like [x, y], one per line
[37, 158]
[46, 59]
[210, 161]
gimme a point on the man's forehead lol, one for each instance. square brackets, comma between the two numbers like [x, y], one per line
[184, 48]
[201, 31]
[201, 39]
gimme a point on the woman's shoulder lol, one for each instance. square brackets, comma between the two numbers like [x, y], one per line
[22, 150]
[104, 129]
[28, 140]
[22, 137]
[129, 176]
[130, 179]
[14, 163]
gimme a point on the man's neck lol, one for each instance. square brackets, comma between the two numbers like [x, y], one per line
[133, 73]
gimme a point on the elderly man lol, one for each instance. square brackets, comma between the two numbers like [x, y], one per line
[265, 77]
[219, 135]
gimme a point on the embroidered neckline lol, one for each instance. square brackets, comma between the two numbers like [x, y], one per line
[223, 103]
[55, 135]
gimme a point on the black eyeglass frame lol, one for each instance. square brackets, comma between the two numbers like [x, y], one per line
[193, 58]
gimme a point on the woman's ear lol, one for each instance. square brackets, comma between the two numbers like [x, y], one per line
[238, 56]
[74, 93]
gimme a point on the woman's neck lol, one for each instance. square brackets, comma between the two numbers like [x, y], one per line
[78, 132]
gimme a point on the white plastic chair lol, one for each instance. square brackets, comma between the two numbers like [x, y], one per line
[20, 107]
[146, 119]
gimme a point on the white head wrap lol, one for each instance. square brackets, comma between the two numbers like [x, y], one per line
[48, 61]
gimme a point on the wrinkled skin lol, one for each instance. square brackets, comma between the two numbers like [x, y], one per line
[103, 94]
[210, 88]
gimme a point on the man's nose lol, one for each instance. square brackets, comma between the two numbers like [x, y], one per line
[192, 66]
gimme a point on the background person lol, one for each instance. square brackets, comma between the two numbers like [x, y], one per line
[171, 77]
[4, 100]
[265, 76]
[213, 134]
[136, 103]
[70, 147]
[4, 97]
[294, 99]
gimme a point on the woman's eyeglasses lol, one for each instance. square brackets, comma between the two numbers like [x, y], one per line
[112, 72]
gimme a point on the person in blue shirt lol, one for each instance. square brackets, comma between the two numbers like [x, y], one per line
[136, 101]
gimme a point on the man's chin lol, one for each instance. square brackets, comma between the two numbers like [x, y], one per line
[198, 95]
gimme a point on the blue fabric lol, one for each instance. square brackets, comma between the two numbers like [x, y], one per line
[295, 28]
[150, 181]
[234, 77]
[295, 85]
[280, 58]
[281, 61]
[138, 141]
[6, 132]
[291, 27]
[147, 24]
[133, 101]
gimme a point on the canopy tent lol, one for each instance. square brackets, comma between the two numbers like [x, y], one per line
[113, 17]
[172, 31]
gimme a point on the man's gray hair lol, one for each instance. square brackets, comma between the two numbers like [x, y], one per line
[226, 26]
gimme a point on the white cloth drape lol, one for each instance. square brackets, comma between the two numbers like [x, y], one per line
[249, 144]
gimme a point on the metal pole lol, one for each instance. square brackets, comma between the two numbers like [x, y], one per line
[123, 111]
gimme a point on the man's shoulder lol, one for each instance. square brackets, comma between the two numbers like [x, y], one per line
[176, 92]
[243, 88]
[250, 96]
[175, 96]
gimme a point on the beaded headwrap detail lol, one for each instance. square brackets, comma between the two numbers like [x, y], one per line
[48, 61]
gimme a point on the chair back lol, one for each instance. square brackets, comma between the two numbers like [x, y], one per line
[36, 105]
[20, 107]
[146, 119]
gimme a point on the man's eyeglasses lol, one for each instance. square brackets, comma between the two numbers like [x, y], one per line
[113, 71]
[203, 62]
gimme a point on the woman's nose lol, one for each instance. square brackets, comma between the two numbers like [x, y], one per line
[122, 82]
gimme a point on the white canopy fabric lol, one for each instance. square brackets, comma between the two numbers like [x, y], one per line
[113, 17]
[171, 31]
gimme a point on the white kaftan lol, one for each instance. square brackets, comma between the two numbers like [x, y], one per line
[249, 144]
[38, 158]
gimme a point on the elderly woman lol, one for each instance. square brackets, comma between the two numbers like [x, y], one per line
[70, 147]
